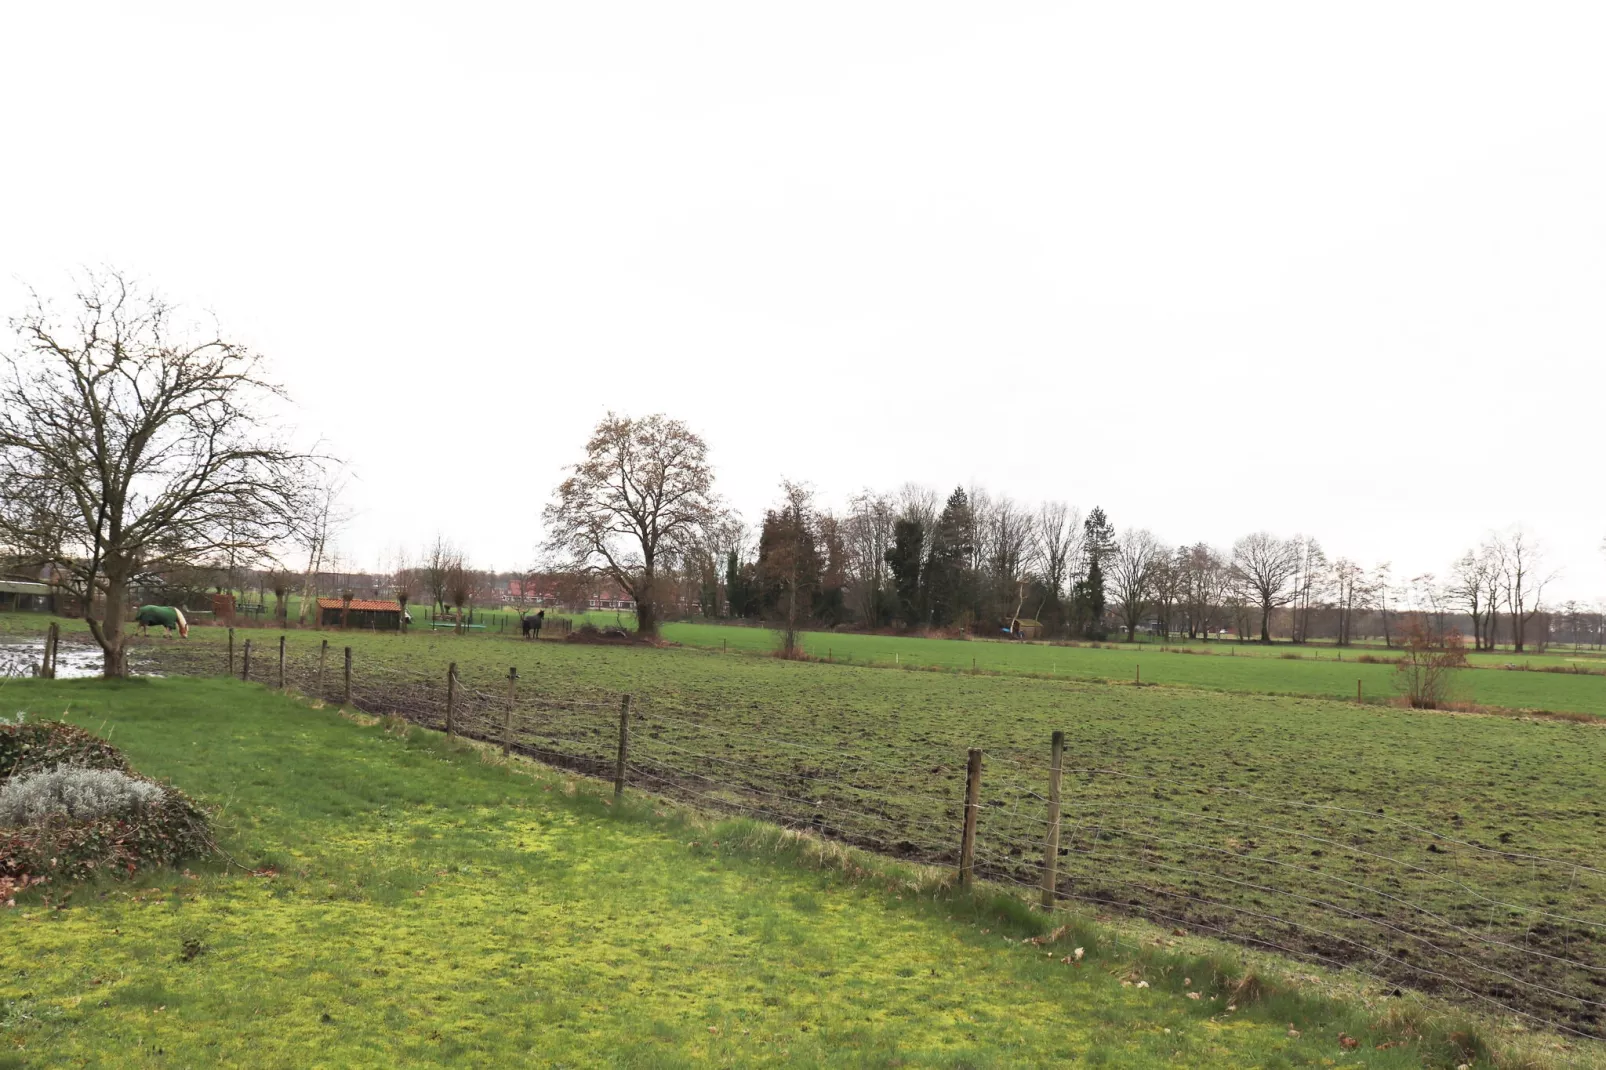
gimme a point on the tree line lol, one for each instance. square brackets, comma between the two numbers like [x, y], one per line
[641, 509]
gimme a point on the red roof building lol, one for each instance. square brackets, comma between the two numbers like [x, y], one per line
[367, 613]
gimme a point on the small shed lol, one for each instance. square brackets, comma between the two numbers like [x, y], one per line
[1027, 629]
[25, 594]
[364, 613]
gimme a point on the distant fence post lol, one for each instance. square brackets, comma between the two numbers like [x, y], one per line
[1051, 848]
[451, 696]
[281, 663]
[323, 656]
[231, 651]
[245, 663]
[624, 744]
[1357, 691]
[967, 842]
[507, 715]
[347, 699]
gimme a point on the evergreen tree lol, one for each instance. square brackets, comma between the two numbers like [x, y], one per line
[739, 587]
[1087, 595]
[950, 582]
[903, 561]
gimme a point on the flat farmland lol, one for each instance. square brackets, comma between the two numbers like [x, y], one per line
[1277, 669]
[1452, 853]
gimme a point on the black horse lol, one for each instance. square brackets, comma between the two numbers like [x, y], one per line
[529, 625]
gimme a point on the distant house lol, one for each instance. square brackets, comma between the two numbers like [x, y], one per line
[27, 595]
[364, 613]
[611, 596]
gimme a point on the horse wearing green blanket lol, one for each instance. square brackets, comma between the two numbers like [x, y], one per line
[169, 617]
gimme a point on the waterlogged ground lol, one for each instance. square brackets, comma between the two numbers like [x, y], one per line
[393, 900]
[73, 660]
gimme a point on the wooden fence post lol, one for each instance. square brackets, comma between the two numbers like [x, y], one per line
[231, 651]
[347, 699]
[967, 842]
[1138, 679]
[323, 656]
[1357, 691]
[451, 697]
[624, 743]
[507, 715]
[245, 662]
[281, 663]
[1051, 849]
[47, 667]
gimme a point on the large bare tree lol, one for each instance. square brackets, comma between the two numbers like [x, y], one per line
[1059, 545]
[643, 491]
[440, 560]
[1130, 575]
[868, 533]
[318, 522]
[1264, 566]
[1523, 579]
[1475, 583]
[133, 443]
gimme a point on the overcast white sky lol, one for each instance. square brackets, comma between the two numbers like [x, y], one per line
[1334, 269]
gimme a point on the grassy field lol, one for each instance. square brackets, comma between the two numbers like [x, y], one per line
[393, 898]
[1452, 853]
[1228, 667]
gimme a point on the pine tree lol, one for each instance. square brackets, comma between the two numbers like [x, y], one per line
[903, 561]
[950, 581]
[1087, 595]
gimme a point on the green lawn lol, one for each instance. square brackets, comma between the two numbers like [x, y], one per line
[414, 903]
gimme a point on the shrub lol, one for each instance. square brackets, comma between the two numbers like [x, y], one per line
[31, 745]
[162, 833]
[73, 793]
[1423, 673]
[74, 808]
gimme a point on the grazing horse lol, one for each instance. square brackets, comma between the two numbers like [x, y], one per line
[171, 618]
[532, 624]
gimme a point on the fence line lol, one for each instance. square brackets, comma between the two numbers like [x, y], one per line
[1471, 922]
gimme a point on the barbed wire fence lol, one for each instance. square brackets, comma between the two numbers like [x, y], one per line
[1392, 901]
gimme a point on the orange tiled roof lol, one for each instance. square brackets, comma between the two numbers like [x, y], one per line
[366, 604]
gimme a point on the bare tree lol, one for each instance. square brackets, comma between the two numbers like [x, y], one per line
[131, 443]
[1520, 562]
[1381, 595]
[868, 534]
[1309, 585]
[461, 582]
[644, 489]
[1059, 535]
[1474, 579]
[281, 582]
[1204, 580]
[404, 580]
[439, 561]
[1264, 565]
[1130, 575]
[316, 525]
[1011, 534]
[1347, 582]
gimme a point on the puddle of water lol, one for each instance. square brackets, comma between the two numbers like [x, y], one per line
[72, 661]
